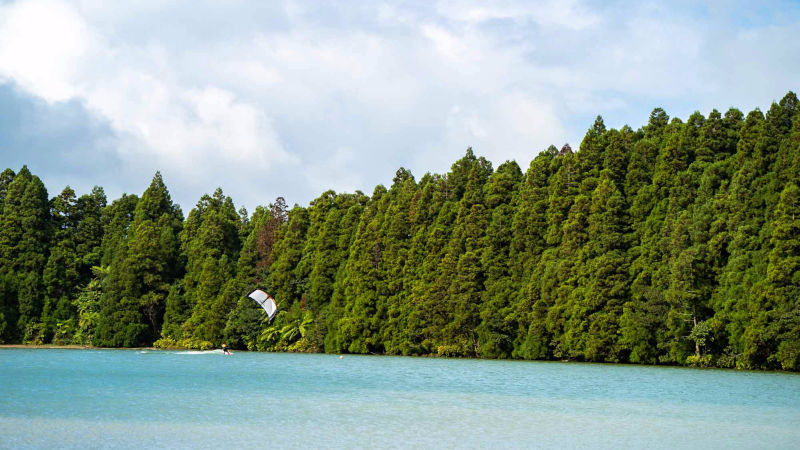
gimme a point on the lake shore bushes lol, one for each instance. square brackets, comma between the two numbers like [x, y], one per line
[677, 243]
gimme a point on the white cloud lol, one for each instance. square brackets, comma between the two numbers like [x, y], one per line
[310, 96]
[448, 45]
[190, 131]
[42, 43]
[336, 171]
[569, 14]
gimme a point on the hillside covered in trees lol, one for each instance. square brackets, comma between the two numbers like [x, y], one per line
[678, 243]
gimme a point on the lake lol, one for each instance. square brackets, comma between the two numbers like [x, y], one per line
[144, 399]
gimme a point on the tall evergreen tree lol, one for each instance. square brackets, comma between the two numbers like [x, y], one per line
[266, 230]
[210, 243]
[357, 326]
[783, 279]
[116, 221]
[6, 177]
[606, 273]
[24, 238]
[61, 272]
[142, 271]
[496, 331]
[8, 294]
[397, 335]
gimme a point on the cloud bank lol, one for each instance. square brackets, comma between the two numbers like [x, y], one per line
[292, 98]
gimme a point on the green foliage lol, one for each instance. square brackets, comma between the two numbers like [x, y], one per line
[292, 331]
[210, 243]
[699, 361]
[146, 262]
[183, 344]
[677, 243]
[87, 303]
[24, 237]
[700, 334]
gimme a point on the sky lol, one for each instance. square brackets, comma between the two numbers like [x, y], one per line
[292, 98]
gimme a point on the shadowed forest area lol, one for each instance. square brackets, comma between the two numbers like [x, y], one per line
[678, 243]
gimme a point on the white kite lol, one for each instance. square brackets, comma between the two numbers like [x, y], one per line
[266, 301]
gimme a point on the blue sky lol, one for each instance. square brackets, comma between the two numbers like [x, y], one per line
[290, 98]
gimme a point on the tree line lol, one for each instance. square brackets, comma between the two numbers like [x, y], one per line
[677, 243]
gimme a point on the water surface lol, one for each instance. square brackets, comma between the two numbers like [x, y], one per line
[134, 399]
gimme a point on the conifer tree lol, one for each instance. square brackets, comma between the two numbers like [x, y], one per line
[530, 220]
[397, 333]
[606, 275]
[8, 294]
[210, 243]
[317, 212]
[615, 163]
[6, 177]
[467, 282]
[592, 155]
[783, 279]
[542, 285]
[23, 252]
[356, 328]
[283, 277]
[654, 209]
[456, 335]
[527, 247]
[326, 260]
[116, 220]
[89, 232]
[61, 272]
[495, 333]
[142, 271]
[266, 230]
[567, 290]
[732, 298]
[418, 272]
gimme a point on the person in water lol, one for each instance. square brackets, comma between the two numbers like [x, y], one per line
[225, 349]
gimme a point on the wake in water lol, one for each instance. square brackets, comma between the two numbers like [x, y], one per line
[200, 352]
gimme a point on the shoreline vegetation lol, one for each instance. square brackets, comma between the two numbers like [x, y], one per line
[674, 244]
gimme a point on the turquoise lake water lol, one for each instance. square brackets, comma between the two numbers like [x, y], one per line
[135, 399]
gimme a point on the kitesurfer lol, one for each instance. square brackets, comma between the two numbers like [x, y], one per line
[225, 349]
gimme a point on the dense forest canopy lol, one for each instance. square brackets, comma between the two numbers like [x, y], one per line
[678, 243]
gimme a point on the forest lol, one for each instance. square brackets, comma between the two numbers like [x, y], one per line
[677, 243]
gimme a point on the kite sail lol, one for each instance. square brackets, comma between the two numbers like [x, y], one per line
[266, 301]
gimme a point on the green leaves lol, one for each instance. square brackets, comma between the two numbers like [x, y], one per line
[24, 238]
[289, 331]
[145, 263]
[678, 243]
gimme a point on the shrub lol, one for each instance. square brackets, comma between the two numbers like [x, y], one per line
[695, 361]
[185, 344]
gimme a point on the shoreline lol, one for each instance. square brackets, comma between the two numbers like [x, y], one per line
[91, 347]
[71, 347]
[666, 366]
